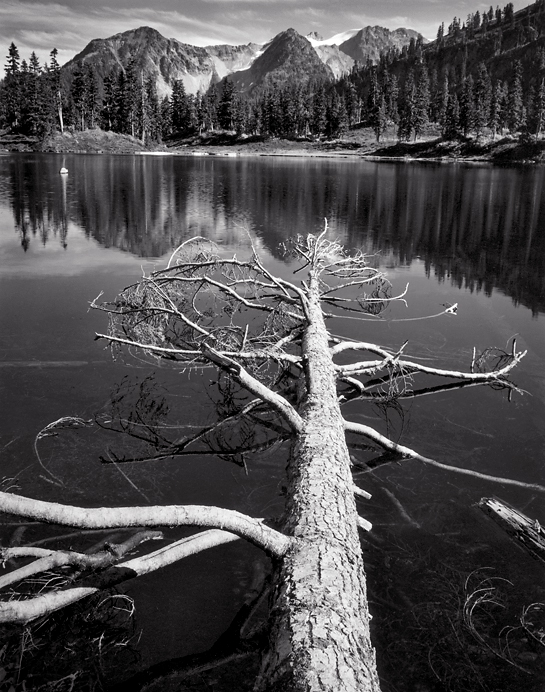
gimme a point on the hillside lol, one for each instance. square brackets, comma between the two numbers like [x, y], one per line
[288, 58]
[168, 60]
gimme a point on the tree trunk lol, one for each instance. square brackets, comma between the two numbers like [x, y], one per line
[319, 640]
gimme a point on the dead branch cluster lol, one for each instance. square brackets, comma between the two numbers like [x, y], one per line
[234, 314]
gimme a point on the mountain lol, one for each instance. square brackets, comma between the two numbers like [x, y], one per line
[166, 59]
[372, 41]
[287, 55]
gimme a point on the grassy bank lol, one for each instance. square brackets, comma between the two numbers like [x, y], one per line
[356, 143]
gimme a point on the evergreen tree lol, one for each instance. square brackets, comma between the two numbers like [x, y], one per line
[483, 99]
[516, 119]
[207, 111]
[467, 107]
[380, 119]
[391, 97]
[128, 97]
[107, 115]
[421, 101]
[451, 126]
[12, 88]
[319, 112]
[180, 108]
[407, 106]
[55, 91]
[166, 118]
[376, 106]
[539, 109]
[508, 13]
[337, 117]
[353, 103]
[498, 108]
[78, 96]
[35, 100]
[226, 106]
[441, 102]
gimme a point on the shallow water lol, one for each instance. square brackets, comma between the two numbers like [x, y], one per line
[465, 234]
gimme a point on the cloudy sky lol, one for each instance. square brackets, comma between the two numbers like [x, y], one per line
[69, 25]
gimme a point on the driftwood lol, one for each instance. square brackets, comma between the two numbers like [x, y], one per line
[527, 532]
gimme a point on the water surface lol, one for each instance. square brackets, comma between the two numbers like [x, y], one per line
[466, 234]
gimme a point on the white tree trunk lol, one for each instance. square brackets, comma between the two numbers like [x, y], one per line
[319, 640]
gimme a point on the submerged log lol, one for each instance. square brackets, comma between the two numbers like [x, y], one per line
[527, 532]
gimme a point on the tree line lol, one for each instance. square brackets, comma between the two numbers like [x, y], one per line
[462, 83]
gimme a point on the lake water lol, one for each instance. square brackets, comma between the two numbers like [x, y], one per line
[467, 234]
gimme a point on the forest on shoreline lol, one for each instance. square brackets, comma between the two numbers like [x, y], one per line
[476, 92]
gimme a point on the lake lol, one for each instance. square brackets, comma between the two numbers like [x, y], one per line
[447, 587]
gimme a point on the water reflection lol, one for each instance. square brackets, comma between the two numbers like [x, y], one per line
[475, 225]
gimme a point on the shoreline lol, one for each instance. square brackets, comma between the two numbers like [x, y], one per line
[356, 145]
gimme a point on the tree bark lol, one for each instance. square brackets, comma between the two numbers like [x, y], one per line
[320, 640]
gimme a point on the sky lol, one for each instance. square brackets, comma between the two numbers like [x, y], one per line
[68, 25]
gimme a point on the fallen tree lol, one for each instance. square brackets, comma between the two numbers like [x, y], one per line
[270, 338]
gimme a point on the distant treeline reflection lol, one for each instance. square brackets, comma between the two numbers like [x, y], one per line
[480, 226]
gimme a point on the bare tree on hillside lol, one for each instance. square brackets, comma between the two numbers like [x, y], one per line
[273, 339]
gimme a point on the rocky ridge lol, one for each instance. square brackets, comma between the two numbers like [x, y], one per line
[289, 54]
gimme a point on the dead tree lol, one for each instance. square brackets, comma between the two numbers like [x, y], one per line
[272, 337]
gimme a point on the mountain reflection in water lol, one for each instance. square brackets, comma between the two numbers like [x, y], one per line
[480, 226]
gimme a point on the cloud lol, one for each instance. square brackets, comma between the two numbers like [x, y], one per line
[69, 25]
[41, 27]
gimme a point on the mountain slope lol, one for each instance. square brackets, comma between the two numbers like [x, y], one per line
[165, 59]
[289, 56]
[371, 42]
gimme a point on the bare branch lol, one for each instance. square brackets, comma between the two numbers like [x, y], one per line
[254, 530]
[410, 366]
[53, 559]
[30, 609]
[402, 452]
[253, 385]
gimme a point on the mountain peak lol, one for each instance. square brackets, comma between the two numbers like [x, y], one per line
[289, 56]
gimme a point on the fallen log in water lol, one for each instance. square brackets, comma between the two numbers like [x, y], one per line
[528, 532]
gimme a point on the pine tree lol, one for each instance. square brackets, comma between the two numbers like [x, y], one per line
[467, 107]
[180, 108]
[35, 97]
[451, 127]
[497, 110]
[319, 112]
[376, 106]
[441, 102]
[55, 89]
[226, 106]
[337, 118]
[483, 98]
[391, 96]
[107, 115]
[516, 119]
[166, 118]
[407, 106]
[422, 101]
[13, 91]
[353, 103]
[78, 96]
[539, 109]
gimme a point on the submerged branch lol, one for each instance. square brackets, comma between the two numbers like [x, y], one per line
[254, 530]
[45, 604]
[402, 452]
[53, 559]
